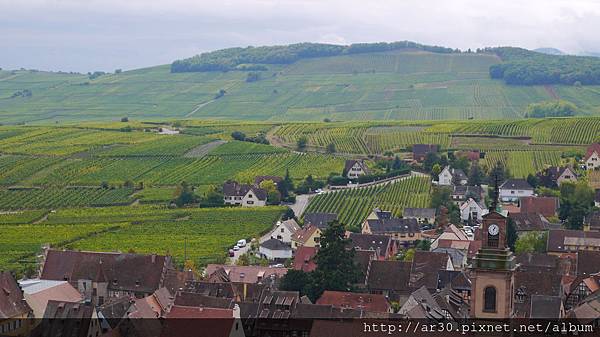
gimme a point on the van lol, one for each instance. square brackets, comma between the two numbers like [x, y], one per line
[241, 243]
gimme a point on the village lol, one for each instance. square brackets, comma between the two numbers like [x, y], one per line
[503, 249]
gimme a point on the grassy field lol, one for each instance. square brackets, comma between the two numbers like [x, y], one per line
[207, 233]
[376, 86]
[353, 206]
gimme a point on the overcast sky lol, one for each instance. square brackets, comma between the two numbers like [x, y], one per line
[88, 35]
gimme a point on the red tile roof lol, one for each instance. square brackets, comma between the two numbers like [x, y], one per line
[546, 206]
[178, 311]
[368, 302]
[11, 297]
[191, 321]
[303, 259]
[591, 149]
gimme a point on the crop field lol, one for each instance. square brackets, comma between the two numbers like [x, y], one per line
[143, 229]
[63, 197]
[522, 163]
[354, 205]
[405, 85]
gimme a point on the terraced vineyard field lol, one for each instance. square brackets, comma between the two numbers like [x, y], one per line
[354, 205]
[143, 229]
[63, 197]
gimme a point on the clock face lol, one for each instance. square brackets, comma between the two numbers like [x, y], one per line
[493, 229]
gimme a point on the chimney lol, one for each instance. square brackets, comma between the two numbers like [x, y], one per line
[153, 257]
[236, 311]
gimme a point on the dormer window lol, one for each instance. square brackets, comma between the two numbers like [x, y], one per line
[115, 282]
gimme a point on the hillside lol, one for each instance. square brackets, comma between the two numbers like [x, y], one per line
[400, 84]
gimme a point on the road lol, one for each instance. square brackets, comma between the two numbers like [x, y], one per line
[301, 203]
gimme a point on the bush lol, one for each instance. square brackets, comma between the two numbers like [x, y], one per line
[559, 108]
[375, 177]
[338, 181]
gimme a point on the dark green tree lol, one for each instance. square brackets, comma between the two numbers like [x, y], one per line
[302, 143]
[475, 175]
[184, 195]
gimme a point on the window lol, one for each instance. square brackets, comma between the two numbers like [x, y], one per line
[249, 195]
[250, 202]
[489, 299]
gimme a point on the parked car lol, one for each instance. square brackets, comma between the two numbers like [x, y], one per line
[236, 248]
[231, 253]
[241, 243]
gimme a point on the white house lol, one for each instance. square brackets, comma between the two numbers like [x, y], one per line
[592, 157]
[284, 230]
[450, 176]
[513, 189]
[355, 168]
[274, 249]
[473, 210]
[243, 195]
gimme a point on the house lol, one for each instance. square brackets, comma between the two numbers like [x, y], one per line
[243, 195]
[284, 230]
[307, 236]
[355, 168]
[384, 246]
[592, 157]
[472, 210]
[423, 215]
[591, 222]
[546, 206]
[38, 292]
[451, 176]
[588, 310]
[303, 259]
[100, 276]
[565, 240]
[534, 282]
[243, 274]
[346, 300]
[274, 249]
[15, 313]
[513, 189]
[546, 307]
[528, 222]
[451, 237]
[425, 266]
[458, 256]
[82, 319]
[319, 220]
[420, 151]
[554, 176]
[406, 231]
[421, 305]
[580, 288]
[457, 280]
[462, 193]
[389, 278]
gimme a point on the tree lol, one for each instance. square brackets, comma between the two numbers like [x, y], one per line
[436, 170]
[576, 200]
[532, 242]
[511, 234]
[184, 195]
[268, 185]
[288, 214]
[533, 180]
[409, 255]
[431, 158]
[128, 184]
[330, 148]
[252, 77]
[243, 260]
[301, 143]
[440, 196]
[286, 185]
[125, 119]
[220, 94]
[475, 175]
[104, 185]
[212, 198]
[554, 108]
[295, 280]
[424, 244]
[336, 269]
[238, 135]
[118, 71]
[398, 164]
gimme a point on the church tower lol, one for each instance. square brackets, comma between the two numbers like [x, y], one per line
[492, 270]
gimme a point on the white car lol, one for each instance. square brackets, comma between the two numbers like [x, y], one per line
[241, 243]
[236, 248]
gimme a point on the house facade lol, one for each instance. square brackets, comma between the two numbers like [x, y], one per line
[14, 311]
[284, 230]
[307, 236]
[273, 249]
[355, 168]
[592, 157]
[472, 210]
[422, 215]
[243, 195]
[513, 189]
[451, 176]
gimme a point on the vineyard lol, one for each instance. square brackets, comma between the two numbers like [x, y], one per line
[354, 205]
[63, 197]
[143, 229]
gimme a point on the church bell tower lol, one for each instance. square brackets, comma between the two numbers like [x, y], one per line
[492, 269]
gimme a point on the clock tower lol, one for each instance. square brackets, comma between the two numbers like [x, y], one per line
[492, 270]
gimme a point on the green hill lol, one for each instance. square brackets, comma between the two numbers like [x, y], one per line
[396, 84]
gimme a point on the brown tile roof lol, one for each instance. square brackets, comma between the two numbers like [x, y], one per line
[393, 225]
[350, 163]
[59, 291]
[132, 272]
[188, 299]
[421, 150]
[529, 261]
[368, 302]
[303, 259]
[12, 303]
[543, 306]
[425, 267]
[474, 247]
[304, 234]
[178, 311]
[529, 221]
[591, 149]
[235, 189]
[556, 238]
[516, 184]
[377, 243]
[389, 275]
[588, 262]
[546, 206]
[319, 220]
[247, 274]
[64, 318]
[455, 279]
[188, 321]
[535, 282]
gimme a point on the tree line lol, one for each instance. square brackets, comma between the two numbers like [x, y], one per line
[254, 58]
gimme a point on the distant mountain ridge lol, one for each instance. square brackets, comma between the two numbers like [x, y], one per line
[550, 51]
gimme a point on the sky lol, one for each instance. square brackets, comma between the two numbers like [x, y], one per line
[90, 35]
